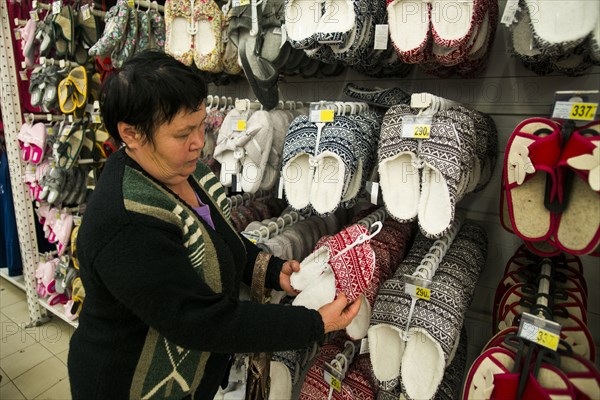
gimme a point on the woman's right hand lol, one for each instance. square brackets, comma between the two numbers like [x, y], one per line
[338, 314]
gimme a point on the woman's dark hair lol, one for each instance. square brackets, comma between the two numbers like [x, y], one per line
[149, 90]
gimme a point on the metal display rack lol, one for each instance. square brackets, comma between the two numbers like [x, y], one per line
[12, 120]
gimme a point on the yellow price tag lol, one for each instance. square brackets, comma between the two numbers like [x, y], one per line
[335, 383]
[244, 2]
[423, 293]
[241, 125]
[131, 3]
[421, 131]
[583, 111]
[96, 119]
[327, 115]
[547, 339]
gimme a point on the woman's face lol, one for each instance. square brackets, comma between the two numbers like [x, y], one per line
[173, 156]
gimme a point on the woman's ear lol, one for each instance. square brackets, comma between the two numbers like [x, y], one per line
[130, 136]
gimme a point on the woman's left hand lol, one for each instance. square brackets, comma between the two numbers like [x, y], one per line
[284, 276]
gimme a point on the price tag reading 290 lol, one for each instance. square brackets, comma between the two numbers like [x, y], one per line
[421, 131]
[418, 291]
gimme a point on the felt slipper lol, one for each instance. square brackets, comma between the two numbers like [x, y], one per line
[582, 373]
[336, 164]
[270, 45]
[442, 155]
[337, 21]
[208, 42]
[302, 23]
[281, 122]
[523, 46]
[480, 382]
[547, 32]
[230, 49]
[578, 226]
[64, 32]
[261, 74]
[298, 152]
[451, 385]
[384, 98]
[456, 32]
[409, 31]
[398, 155]
[549, 383]
[533, 149]
[180, 30]
[256, 150]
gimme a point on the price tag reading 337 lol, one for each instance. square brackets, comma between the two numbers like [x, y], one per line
[538, 330]
[575, 110]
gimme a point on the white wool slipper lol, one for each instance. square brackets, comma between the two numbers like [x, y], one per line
[318, 294]
[386, 349]
[359, 326]
[561, 26]
[273, 166]
[328, 187]
[409, 29]
[260, 129]
[311, 268]
[281, 381]
[422, 349]
[298, 151]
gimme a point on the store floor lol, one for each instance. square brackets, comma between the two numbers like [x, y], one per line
[33, 361]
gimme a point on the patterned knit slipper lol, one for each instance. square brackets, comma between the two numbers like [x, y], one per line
[442, 155]
[398, 155]
[384, 98]
[456, 32]
[298, 152]
[336, 30]
[336, 164]
[409, 32]
[547, 34]
[451, 385]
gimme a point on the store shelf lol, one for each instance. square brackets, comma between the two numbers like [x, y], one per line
[18, 280]
[59, 311]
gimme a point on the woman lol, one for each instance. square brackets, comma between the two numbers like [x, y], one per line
[160, 261]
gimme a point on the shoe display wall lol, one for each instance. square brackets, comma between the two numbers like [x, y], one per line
[485, 80]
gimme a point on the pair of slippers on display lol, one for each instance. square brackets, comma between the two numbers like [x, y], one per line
[551, 184]
[425, 179]
[325, 165]
[443, 38]
[435, 328]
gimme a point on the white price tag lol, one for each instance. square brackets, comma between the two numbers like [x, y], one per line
[373, 189]
[85, 12]
[96, 118]
[280, 189]
[510, 12]
[322, 115]
[34, 15]
[364, 346]
[56, 6]
[23, 75]
[251, 237]
[236, 181]
[17, 33]
[381, 37]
